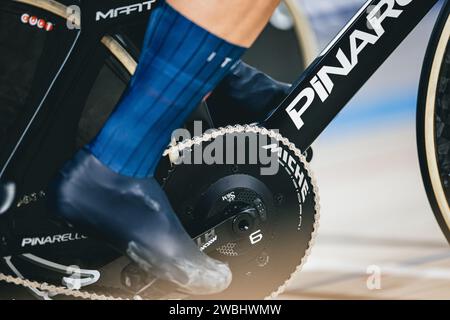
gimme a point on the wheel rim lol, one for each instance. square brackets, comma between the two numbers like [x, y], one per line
[431, 146]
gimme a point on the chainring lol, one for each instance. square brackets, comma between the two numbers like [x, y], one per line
[263, 226]
[270, 220]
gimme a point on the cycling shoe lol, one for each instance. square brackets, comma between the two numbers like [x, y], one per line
[248, 92]
[135, 216]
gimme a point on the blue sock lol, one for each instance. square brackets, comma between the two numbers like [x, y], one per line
[180, 64]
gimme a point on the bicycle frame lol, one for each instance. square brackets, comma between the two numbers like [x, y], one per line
[52, 92]
[322, 90]
[315, 99]
[41, 143]
[344, 67]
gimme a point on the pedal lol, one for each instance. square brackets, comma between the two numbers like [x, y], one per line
[7, 195]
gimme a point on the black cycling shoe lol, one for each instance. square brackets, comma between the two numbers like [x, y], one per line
[248, 92]
[135, 216]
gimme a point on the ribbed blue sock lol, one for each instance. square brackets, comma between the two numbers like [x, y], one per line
[179, 65]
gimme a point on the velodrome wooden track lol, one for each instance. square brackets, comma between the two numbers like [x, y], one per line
[374, 213]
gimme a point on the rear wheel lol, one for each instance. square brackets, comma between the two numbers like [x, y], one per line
[433, 122]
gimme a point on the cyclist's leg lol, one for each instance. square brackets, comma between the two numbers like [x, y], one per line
[237, 21]
[181, 63]
[108, 187]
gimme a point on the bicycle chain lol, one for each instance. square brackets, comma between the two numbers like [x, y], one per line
[179, 147]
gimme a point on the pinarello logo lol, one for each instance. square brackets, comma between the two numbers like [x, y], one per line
[36, 22]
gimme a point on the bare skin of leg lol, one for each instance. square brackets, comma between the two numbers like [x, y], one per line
[236, 21]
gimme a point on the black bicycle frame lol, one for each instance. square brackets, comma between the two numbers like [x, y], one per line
[60, 94]
[344, 66]
[316, 98]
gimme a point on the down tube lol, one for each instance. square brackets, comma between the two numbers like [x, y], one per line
[344, 66]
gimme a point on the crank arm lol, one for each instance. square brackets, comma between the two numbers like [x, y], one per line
[215, 236]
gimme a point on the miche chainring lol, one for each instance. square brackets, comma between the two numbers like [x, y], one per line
[246, 196]
[261, 222]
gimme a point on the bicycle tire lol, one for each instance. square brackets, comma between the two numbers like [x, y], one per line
[433, 122]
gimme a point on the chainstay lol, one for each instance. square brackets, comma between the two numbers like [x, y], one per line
[176, 149]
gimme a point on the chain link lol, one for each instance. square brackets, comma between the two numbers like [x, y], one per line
[43, 286]
[178, 148]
